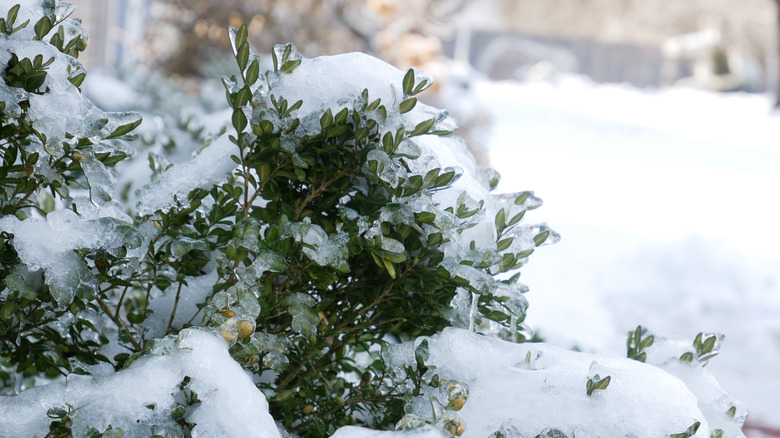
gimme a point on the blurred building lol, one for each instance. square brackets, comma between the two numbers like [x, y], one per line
[115, 27]
[715, 44]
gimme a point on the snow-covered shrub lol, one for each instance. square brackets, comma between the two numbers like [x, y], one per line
[324, 244]
[57, 218]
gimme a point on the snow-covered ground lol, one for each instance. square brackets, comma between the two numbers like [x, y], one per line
[667, 206]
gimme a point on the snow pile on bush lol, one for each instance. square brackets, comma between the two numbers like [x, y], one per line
[534, 389]
[150, 396]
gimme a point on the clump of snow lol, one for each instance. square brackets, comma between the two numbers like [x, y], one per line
[360, 432]
[532, 387]
[722, 411]
[48, 244]
[141, 399]
[211, 166]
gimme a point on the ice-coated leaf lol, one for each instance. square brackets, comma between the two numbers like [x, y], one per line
[407, 105]
[242, 56]
[422, 127]
[408, 82]
[253, 72]
[122, 123]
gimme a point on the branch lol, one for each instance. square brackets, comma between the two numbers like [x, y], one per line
[175, 305]
[117, 321]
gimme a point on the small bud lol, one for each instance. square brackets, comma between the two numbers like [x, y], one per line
[227, 335]
[228, 313]
[453, 426]
[245, 329]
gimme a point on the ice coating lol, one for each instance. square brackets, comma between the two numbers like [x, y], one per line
[713, 401]
[535, 386]
[211, 166]
[361, 432]
[49, 244]
[230, 403]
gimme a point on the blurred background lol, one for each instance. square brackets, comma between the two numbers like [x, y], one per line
[648, 127]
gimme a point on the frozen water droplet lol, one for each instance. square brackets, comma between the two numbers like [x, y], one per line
[63, 10]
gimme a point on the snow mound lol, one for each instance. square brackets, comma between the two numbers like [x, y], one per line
[523, 390]
[143, 399]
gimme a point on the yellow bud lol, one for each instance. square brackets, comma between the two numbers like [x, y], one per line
[245, 329]
[228, 313]
[456, 404]
[453, 426]
[308, 409]
[227, 335]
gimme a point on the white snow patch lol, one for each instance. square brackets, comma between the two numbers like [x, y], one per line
[211, 166]
[230, 405]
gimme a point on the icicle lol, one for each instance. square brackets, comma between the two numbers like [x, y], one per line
[473, 311]
[513, 327]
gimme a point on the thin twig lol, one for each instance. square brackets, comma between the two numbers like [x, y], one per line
[175, 304]
[117, 321]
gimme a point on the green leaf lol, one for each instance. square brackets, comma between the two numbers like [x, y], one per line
[124, 129]
[242, 97]
[422, 127]
[408, 82]
[648, 341]
[373, 105]
[56, 412]
[242, 56]
[326, 120]
[522, 197]
[290, 66]
[501, 222]
[430, 178]
[516, 218]
[239, 120]
[596, 383]
[12, 13]
[407, 105]
[78, 79]
[425, 218]
[691, 431]
[341, 116]
[294, 107]
[252, 73]
[708, 345]
[241, 35]
[435, 239]
[42, 27]
[541, 237]
[445, 179]
[337, 131]
[390, 268]
[504, 244]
